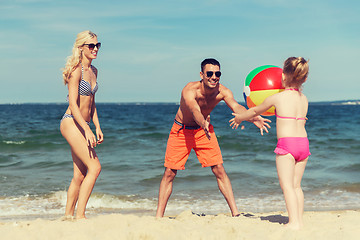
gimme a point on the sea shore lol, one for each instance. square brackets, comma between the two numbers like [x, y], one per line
[328, 225]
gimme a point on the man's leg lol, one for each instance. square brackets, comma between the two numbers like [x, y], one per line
[225, 187]
[165, 190]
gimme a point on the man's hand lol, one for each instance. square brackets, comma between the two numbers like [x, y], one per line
[206, 127]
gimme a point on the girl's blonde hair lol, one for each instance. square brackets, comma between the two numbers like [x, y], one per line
[75, 59]
[297, 69]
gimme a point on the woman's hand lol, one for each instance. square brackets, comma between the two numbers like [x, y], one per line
[99, 135]
[90, 138]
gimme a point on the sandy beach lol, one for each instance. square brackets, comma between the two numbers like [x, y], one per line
[187, 225]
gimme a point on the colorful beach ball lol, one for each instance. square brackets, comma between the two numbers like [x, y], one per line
[261, 83]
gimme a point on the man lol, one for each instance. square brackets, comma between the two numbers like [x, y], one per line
[192, 130]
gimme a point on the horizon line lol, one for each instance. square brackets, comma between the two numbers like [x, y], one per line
[350, 101]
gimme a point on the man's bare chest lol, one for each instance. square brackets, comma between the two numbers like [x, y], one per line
[207, 104]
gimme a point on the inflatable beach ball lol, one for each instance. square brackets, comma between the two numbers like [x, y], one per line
[261, 83]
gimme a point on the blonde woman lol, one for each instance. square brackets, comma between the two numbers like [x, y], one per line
[80, 77]
[292, 150]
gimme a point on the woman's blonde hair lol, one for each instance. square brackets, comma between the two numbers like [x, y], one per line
[297, 68]
[75, 59]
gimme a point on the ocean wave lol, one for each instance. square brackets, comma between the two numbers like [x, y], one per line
[36, 159]
[54, 203]
[32, 205]
[14, 142]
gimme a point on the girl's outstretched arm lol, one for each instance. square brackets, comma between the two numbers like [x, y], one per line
[252, 112]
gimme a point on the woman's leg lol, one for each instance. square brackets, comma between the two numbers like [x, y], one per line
[73, 192]
[87, 186]
[86, 168]
[285, 165]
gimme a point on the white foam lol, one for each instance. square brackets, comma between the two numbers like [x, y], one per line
[14, 142]
[54, 204]
[30, 205]
[123, 202]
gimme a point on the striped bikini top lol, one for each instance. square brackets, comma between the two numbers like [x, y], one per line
[85, 86]
[294, 118]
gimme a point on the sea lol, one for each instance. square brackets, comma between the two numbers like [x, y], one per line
[36, 165]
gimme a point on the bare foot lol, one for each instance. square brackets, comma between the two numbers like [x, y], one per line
[237, 214]
[67, 218]
[293, 226]
[81, 218]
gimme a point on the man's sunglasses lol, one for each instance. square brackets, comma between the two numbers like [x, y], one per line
[211, 73]
[91, 46]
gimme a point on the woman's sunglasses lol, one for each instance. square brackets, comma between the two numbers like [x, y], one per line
[211, 73]
[91, 46]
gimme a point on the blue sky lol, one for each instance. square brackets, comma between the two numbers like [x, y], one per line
[151, 49]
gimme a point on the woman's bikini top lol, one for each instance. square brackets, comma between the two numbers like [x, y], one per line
[85, 86]
[294, 118]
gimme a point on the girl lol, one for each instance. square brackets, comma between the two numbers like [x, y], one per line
[80, 76]
[292, 150]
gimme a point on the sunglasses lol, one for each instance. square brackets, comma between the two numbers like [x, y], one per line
[211, 73]
[91, 46]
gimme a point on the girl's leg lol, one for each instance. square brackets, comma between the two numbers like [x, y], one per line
[285, 165]
[86, 167]
[299, 172]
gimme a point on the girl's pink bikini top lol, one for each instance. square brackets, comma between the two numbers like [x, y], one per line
[290, 89]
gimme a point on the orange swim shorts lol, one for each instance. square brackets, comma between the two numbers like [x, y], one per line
[182, 140]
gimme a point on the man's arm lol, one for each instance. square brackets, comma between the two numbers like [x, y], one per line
[231, 102]
[189, 96]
